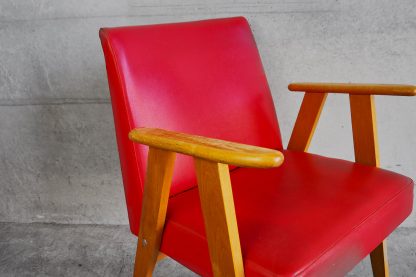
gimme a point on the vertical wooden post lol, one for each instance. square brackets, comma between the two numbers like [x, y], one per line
[379, 260]
[220, 220]
[155, 200]
[306, 122]
[364, 128]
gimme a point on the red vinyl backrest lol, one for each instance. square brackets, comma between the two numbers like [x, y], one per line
[203, 78]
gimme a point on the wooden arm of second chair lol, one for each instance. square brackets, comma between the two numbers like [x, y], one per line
[212, 157]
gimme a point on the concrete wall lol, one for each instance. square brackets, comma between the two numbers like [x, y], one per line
[58, 158]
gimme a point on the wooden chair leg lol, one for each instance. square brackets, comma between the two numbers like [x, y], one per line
[363, 118]
[155, 200]
[379, 261]
[219, 215]
[160, 257]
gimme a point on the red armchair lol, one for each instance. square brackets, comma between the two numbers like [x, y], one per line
[245, 211]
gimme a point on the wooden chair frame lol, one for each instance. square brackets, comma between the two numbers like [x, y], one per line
[212, 158]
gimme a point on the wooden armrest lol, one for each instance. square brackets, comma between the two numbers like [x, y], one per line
[207, 148]
[358, 89]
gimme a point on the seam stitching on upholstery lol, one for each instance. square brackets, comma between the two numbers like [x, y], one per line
[188, 229]
[183, 191]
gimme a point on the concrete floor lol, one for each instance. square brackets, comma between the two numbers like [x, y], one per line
[39, 249]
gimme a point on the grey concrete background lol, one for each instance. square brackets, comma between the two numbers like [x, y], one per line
[58, 157]
[58, 153]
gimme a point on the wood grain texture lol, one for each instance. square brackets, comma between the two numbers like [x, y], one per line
[364, 128]
[359, 89]
[379, 260]
[207, 148]
[306, 121]
[219, 216]
[155, 201]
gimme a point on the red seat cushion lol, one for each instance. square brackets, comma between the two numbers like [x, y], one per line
[313, 215]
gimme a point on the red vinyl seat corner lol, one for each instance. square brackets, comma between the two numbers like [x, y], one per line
[313, 216]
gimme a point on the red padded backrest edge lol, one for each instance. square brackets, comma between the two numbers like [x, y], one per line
[132, 180]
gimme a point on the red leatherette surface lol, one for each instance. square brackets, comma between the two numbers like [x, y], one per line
[311, 216]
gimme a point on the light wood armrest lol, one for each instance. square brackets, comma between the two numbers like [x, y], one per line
[207, 148]
[358, 89]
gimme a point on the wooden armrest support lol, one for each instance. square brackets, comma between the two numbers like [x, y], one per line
[211, 157]
[357, 89]
[363, 119]
[207, 148]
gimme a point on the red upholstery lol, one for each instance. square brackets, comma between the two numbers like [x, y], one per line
[202, 78]
[313, 216]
